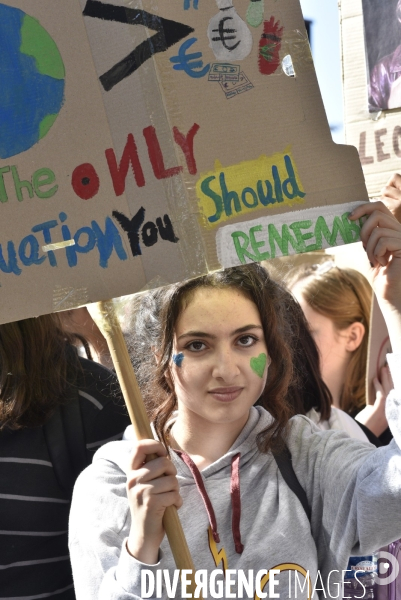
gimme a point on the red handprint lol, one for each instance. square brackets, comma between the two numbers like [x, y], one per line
[269, 47]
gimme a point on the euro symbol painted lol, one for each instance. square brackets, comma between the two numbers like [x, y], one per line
[190, 63]
[222, 37]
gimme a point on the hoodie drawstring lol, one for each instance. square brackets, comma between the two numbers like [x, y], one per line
[236, 503]
[235, 498]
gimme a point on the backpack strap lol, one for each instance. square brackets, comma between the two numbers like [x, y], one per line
[65, 439]
[284, 463]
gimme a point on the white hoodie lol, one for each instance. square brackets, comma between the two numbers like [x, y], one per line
[353, 489]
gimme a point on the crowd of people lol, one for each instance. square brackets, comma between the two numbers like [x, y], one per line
[240, 374]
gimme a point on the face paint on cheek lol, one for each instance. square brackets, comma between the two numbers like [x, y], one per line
[177, 359]
[258, 365]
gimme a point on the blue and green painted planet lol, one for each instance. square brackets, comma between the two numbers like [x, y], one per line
[32, 79]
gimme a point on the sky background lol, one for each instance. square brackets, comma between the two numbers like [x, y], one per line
[325, 42]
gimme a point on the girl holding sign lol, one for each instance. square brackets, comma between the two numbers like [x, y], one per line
[217, 391]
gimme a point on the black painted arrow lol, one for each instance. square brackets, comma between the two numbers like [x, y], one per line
[168, 33]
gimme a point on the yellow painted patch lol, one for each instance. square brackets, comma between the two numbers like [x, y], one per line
[267, 182]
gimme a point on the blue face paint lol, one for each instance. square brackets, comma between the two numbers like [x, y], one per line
[178, 358]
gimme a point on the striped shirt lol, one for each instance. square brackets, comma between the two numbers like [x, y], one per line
[34, 509]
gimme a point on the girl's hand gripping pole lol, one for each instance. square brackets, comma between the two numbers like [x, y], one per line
[103, 314]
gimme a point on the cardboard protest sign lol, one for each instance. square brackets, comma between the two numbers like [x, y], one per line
[371, 42]
[75, 169]
[138, 140]
[264, 149]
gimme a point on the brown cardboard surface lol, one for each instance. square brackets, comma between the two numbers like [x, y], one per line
[378, 141]
[87, 125]
[278, 114]
[379, 346]
[135, 133]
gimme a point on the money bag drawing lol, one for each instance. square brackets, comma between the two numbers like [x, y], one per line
[229, 36]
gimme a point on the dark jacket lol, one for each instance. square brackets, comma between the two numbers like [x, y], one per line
[34, 508]
[383, 75]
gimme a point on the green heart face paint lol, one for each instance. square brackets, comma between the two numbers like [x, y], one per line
[258, 365]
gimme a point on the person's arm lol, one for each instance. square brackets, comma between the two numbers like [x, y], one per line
[112, 540]
[381, 236]
[374, 416]
[353, 489]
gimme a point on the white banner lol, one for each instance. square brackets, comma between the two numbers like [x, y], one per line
[293, 232]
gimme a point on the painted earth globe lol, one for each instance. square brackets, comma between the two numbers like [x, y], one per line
[32, 79]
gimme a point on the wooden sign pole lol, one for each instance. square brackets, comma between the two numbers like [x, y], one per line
[105, 318]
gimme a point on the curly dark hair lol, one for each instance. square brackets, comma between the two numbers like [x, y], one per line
[293, 386]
